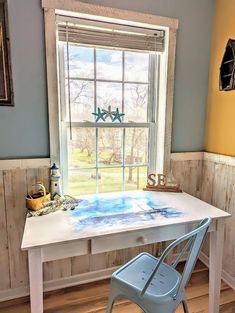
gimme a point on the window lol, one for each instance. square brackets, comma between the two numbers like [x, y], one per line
[109, 155]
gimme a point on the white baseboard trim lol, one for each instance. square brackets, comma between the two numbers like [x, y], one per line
[79, 279]
[14, 293]
[227, 278]
[61, 283]
[187, 156]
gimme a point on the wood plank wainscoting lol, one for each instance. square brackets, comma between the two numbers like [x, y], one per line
[218, 188]
[201, 174]
[211, 177]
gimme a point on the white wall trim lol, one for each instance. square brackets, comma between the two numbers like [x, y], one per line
[71, 7]
[179, 156]
[204, 156]
[175, 156]
[187, 156]
[227, 278]
[61, 283]
[24, 163]
[46, 162]
[68, 7]
[219, 158]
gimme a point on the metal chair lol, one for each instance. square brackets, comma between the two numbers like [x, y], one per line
[154, 285]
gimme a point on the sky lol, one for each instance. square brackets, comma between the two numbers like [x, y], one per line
[109, 67]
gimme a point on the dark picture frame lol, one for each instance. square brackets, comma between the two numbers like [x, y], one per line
[6, 86]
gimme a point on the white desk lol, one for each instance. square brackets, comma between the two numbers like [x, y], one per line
[65, 234]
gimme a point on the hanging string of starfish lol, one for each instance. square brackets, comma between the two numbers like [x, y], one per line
[103, 114]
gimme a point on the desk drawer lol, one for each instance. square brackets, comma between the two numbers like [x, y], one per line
[65, 250]
[136, 238]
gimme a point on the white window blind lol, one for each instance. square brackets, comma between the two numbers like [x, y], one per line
[91, 32]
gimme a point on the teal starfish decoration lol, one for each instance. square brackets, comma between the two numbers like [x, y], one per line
[99, 115]
[117, 115]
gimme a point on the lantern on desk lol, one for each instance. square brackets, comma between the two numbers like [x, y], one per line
[55, 181]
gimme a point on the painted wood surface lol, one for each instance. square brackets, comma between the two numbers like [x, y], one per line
[216, 259]
[167, 226]
[35, 273]
[16, 181]
[215, 184]
[52, 84]
[15, 191]
[184, 165]
[75, 9]
[188, 174]
[14, 185]
[4, 257]
[218, 188]
[118, 213]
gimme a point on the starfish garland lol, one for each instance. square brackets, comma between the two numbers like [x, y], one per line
[104, 114]
[99, 115]
[118, 116]
[108, 113]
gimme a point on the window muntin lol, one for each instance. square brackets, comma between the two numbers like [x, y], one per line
[106, 156]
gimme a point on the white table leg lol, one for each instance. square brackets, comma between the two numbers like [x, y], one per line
[216, 257]
[35, 280]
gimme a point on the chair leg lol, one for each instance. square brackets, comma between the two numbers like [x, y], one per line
[185, 306]
[111, 300]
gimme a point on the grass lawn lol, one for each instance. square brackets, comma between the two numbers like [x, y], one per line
[110, 179]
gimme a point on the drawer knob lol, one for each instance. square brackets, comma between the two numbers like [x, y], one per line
[141, 239]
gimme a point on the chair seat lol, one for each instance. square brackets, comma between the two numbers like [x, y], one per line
[152, 284]
[136, 273]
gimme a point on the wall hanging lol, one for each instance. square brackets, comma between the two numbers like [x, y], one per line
[227, 68]
[6, 86]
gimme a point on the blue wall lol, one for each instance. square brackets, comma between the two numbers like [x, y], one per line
[24, 128]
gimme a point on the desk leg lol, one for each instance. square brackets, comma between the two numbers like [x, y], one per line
[35, 280]
[216, 257]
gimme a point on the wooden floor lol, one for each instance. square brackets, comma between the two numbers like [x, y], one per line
[92, 298]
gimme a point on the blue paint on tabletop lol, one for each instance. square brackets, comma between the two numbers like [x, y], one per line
[127, 209]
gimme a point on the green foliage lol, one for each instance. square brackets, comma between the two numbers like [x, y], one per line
[110, 179]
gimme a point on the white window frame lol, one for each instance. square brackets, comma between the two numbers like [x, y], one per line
[75, 8]
[150, 124]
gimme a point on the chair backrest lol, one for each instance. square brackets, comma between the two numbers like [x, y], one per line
[194, 241]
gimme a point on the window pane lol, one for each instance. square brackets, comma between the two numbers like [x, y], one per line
[136, 146]
[110, 179]
[135, 177]
[135, 102]
[82, 182]
[110, 146]
[109, 64]
[81, 100]
[136, 67]
[82, 148]
[81, 61]
[109, 94]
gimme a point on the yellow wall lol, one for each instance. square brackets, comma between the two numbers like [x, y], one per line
[220, 133]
